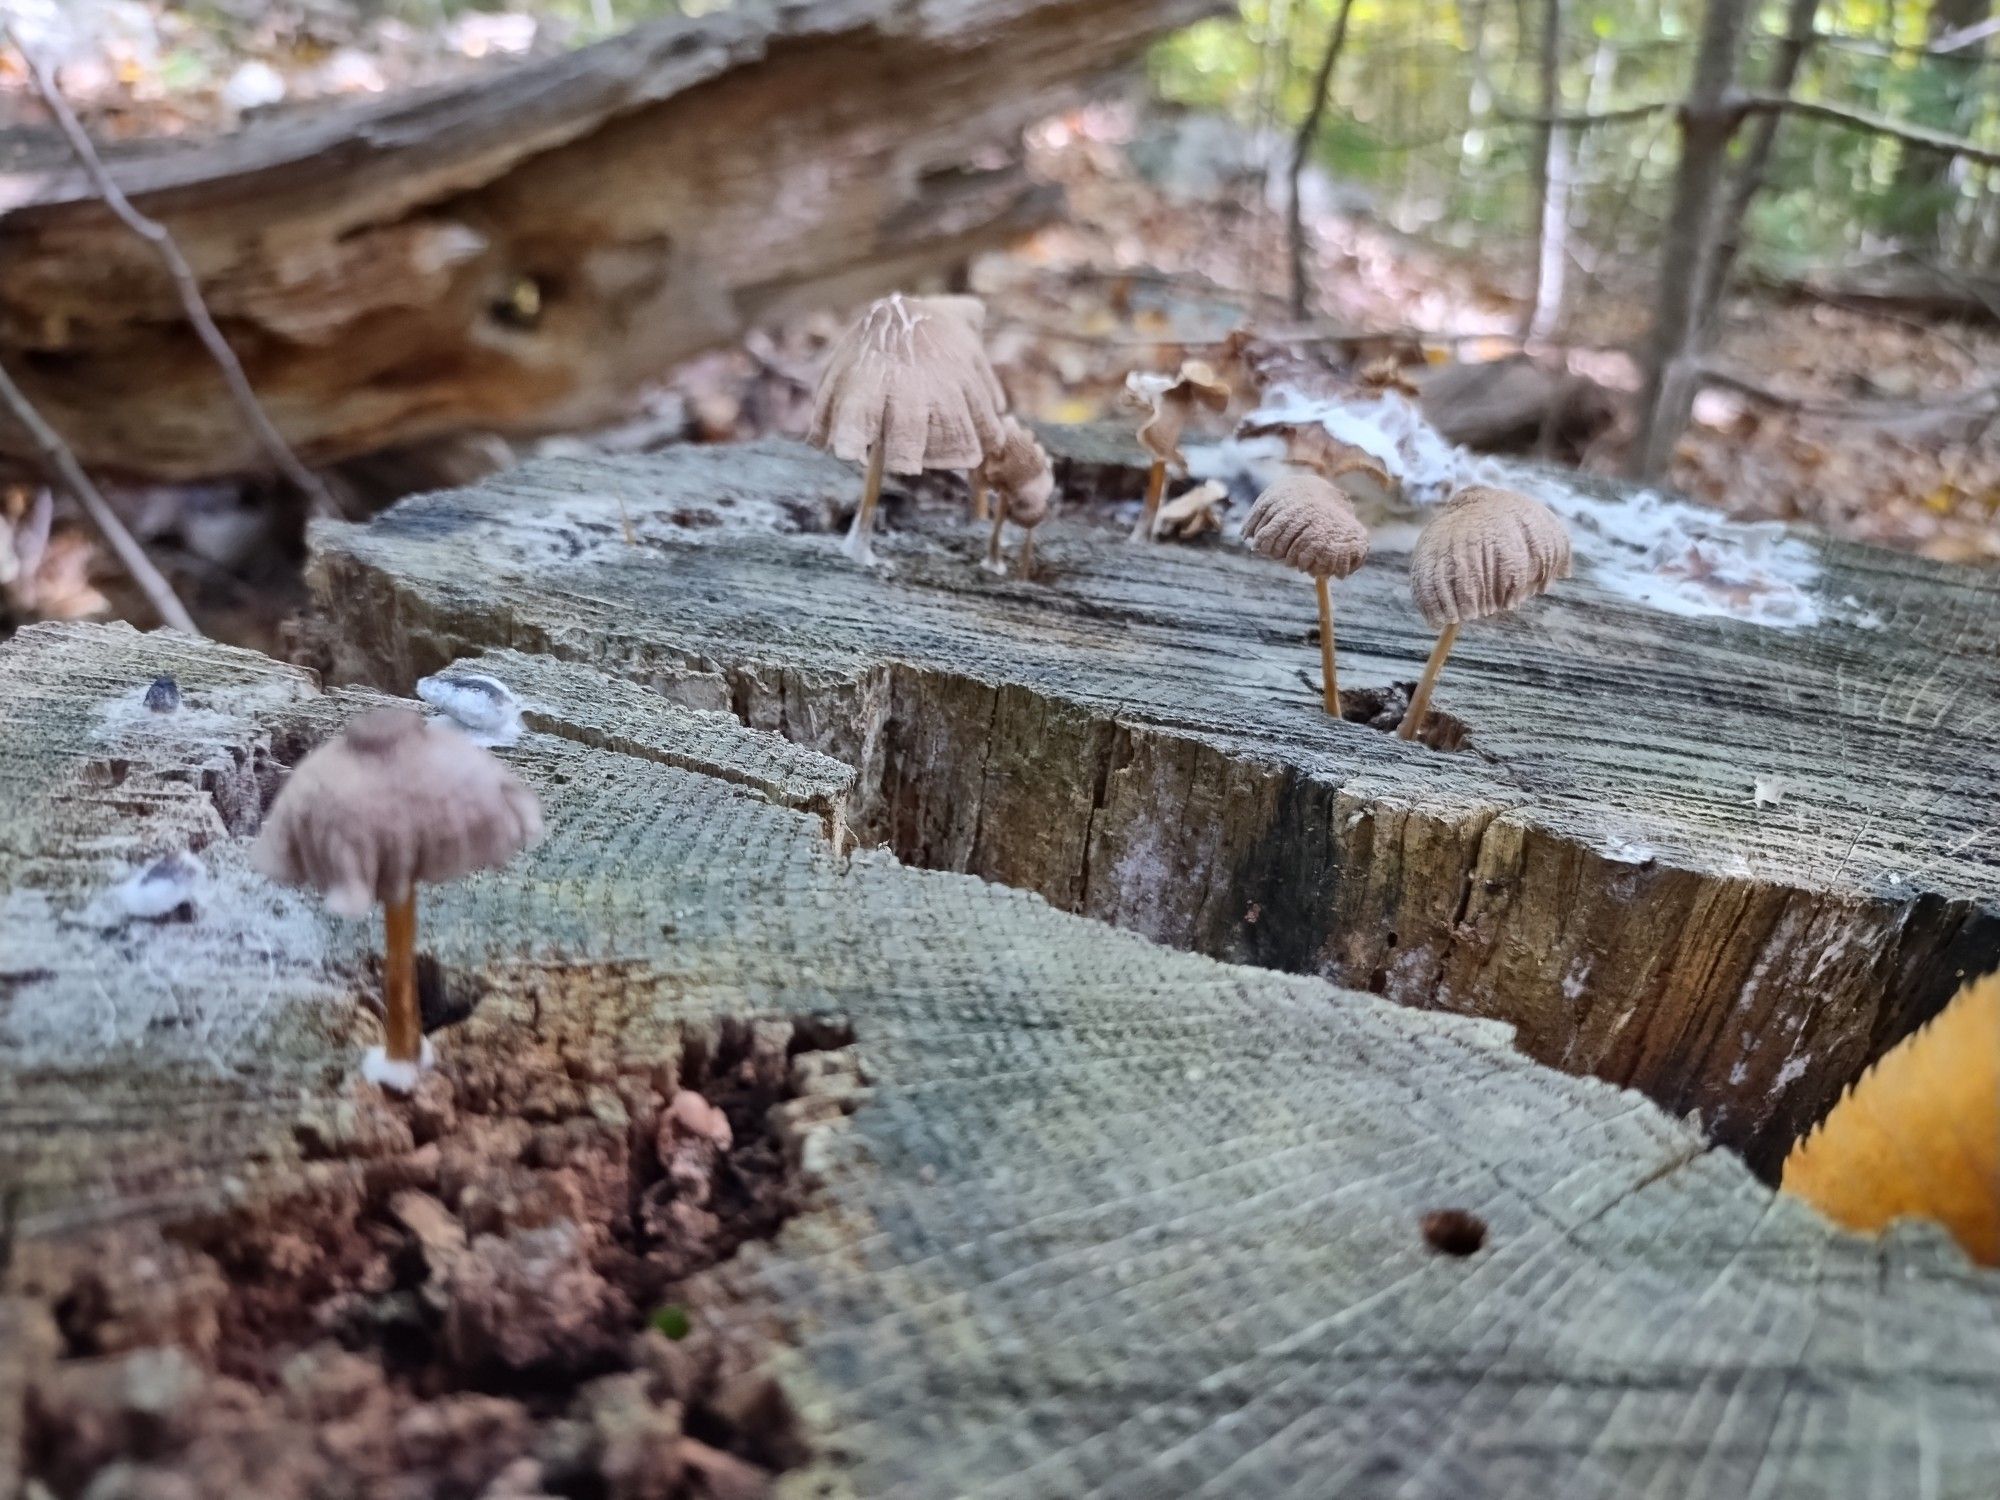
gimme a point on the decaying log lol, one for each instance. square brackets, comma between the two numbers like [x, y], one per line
[519, 253]
[1516, 405]
[1722, 863]
[1108, 1218]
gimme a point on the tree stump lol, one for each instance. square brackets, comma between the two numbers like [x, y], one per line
[1014, 1201]
[1724, 864]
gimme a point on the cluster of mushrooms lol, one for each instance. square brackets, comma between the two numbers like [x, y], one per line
[1486, 552]
[908, 388]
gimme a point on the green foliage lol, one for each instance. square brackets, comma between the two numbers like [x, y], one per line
[1410, 120]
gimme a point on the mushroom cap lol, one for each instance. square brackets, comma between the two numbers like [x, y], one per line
[393, 802]
[1021, 475]
[1485, 553]
[1173, 399]
[911, 374]
[1309, 524]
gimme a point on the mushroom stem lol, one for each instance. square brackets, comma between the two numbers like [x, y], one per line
[979, 506]
[1331, 693]
[1420, 701]
[858, 545]
[1156, 486]
[1024, 560]
[995, 563]
[403, 1039]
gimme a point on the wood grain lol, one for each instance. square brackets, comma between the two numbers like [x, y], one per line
[1113, 1220]
[1137, 736]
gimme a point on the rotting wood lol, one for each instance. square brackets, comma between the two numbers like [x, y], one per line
[1185, 1216]
[520, 253]
[1134, 738]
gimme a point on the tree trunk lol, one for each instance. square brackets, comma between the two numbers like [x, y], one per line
[520, 253]
[1552, 182]
[1302, 145]
[1133, 741]
[1202, 1228]
[1756, 164]
[1708, 120]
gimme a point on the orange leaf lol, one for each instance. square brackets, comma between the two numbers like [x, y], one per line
[1918, 1135]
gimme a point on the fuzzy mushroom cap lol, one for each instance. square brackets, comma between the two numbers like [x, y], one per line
[1173, 399]
[1306, 523]
[391, 803]
[1487, 552]
[1021, 475]
[912, 374]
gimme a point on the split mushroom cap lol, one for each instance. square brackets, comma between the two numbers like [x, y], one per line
[1309, 524]
[1489, 551]
[393, 802]
[1173, 399]
[1021, 475]
[911, 374]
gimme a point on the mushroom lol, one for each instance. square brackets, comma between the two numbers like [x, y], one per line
[1173, 399]
[1488, 552]
[908, 388]
[1308, 523]
[392, 803]
[1023, 484]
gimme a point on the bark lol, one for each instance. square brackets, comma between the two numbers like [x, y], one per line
[1708, 120]
[1203, 1227]
[1134, 740]
[520, 253]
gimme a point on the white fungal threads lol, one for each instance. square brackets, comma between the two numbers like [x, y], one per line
[484, 707]
[1653, 548]
[397, 1077]
[160, 888]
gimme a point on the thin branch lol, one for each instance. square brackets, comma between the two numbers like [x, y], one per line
[63, 468]
[1721, 377]
[185, 284]
[1302, 145]
[1855, 119]
[1586, 119]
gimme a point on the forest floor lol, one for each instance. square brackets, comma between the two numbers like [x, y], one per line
[1871, 425]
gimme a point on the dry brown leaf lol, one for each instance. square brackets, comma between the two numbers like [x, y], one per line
[1919, 1135]
[1193, 514]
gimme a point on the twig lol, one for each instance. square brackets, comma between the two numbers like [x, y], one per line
[189, 289]
[63, 467]
[1856, 119]
[1302, 144]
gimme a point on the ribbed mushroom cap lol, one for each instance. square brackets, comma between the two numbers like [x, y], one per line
[1173, 399]
[1306, 523]
[1021, 475]
[393, 802]
[911, 372]
[1487, 552]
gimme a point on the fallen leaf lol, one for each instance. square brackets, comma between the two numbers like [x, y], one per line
[1918, 1136]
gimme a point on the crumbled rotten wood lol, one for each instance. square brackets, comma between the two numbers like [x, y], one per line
[1134, 737]
[1184, 1215]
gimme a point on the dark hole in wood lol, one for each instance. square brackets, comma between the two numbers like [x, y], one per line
[1454, 1231]
[1383, 708]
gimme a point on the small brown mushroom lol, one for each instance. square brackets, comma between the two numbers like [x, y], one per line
[1309, 524]
[1172, 399]
[1023, 484]
[1487, 552]
[394, 802]
[908, 388]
